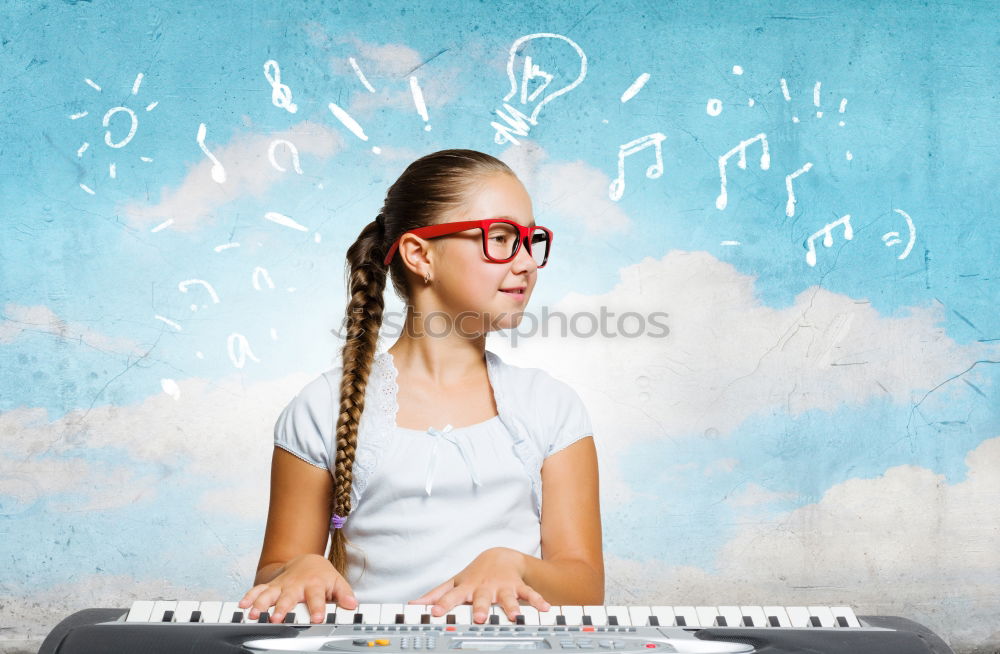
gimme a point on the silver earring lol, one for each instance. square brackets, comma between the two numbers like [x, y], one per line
[427, 277]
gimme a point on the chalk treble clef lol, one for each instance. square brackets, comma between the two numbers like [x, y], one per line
[281, 95]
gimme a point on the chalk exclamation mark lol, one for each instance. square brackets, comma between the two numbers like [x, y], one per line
[351, 124]
[418, 100]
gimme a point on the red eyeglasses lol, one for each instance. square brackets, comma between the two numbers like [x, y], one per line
[501, 238]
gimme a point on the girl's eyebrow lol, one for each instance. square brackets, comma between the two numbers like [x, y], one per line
[531, 224]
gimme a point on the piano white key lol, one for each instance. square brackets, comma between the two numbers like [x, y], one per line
[389, 612]
[664, 615]
[372, 613]
[598, 616]
[159, 609]
[823, 613]
[437, 619]
[573, 614]
[689, 615]
[847, 613]
[530, 615]
[779, 613]
[301, 612]
[226, 613]
[184, 609]
[706, 615]
[548, 618]
[756, 615]
[412, 613]
[345, 616]
[732, 614]
[639, 615]
[210, 611]
[140, 611]
[798, 616]
[462, 613]
[498, 611]
[620, 612]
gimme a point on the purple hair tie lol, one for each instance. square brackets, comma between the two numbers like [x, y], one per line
[336, 522]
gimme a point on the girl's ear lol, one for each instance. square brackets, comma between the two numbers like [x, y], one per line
[416, 253]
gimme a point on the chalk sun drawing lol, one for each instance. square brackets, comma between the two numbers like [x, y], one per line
[106, 123]
[517, 122]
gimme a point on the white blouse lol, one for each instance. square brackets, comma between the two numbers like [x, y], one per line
[425, 503]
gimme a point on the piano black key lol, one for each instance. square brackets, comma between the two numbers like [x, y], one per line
[400, 618]
[289, 618]
[450, 619]
[237, 617]
[613, 620]
[815, 621]
[653, 621]
[168, 616]
[359, 618]
[425, 618]
[681, 622]
[519, 619]
[561, 620]
[720, 621]
[747, 621]
[494, 619]
[841, 621]
[265, 617]
[773, 621]
[195, 616]
[331, 618]
[587, 620]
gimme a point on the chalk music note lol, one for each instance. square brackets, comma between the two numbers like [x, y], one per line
[827, 234]
[281, 95]
[218, 171]
[617, 188]
[294, 151]
[765, 163]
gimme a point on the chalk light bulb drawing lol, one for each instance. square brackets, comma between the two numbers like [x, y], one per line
[547, 87]
[106, 123]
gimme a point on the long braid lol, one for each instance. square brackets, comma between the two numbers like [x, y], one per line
[366, 283]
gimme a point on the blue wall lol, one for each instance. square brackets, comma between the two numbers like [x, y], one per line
[810, 428]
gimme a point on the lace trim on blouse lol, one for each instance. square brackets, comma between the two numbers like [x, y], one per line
[377, 422]
[379, 419]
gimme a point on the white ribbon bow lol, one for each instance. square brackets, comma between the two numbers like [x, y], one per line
[442, 434]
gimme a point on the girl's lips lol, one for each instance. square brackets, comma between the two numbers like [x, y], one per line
[516, 294]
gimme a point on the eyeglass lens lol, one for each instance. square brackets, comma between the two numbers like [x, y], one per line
[501, 242]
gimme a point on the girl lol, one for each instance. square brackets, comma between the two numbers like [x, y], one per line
[432, 459]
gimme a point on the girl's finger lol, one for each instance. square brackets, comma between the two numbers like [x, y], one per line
[251, 595]
[534, 598]
[264, 601]
[431, 596]
[290, 596]
[316, 603]
[507, 598]
[343, 595]
[449, 600]
[482, 598]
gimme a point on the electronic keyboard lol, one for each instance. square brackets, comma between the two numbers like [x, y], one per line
[195, 627]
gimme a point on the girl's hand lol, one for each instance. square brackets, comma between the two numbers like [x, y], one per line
[494, 577]
[308, 577]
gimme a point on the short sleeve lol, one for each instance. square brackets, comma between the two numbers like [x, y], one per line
[305, 426]
[571, 420]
